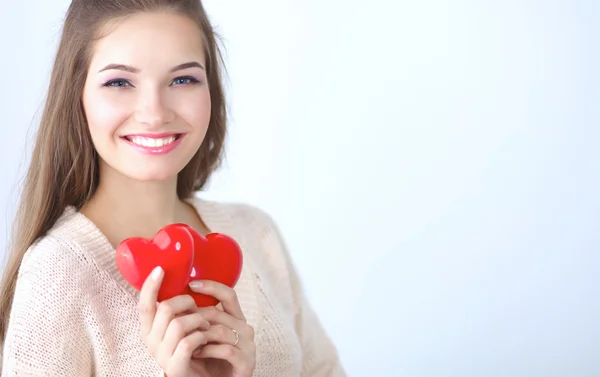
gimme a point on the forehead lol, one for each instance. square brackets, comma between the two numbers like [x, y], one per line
[150, 40]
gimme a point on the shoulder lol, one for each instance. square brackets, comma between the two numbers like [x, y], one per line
[50, 307]
[62, 250]
[256, 227]
[249, 218]
[252, 217]
[248, 222]
[55, 285]
[59, 264]
[53, 280]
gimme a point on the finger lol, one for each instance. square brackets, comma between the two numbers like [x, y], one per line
[187, 346]
[219, 317]
[234, 356]
[222, 335]
[166, 312]
[226, 295]
[181, 327]
[148, 298]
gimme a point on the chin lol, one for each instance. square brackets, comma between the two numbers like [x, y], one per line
[147, 168]
[141, 173]
[153, 175]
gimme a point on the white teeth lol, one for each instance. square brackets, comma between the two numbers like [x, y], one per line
[151, 142]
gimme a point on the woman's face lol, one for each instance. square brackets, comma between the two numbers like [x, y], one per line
[146, 96]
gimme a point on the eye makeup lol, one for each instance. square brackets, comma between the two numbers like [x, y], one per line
[178, 81]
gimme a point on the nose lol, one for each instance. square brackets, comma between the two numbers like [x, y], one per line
[152, 109]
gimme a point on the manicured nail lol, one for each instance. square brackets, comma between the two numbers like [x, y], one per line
[157, 273]
[196, 284]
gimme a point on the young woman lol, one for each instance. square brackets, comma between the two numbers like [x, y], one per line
[133, 126]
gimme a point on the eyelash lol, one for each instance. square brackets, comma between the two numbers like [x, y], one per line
[124, 83]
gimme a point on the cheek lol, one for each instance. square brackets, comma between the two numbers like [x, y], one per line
[195, 110]
[105, 113]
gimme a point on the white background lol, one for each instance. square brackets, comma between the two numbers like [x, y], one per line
[433, 165]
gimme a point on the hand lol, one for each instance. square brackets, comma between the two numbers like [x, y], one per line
[171, 329]
[230, 350]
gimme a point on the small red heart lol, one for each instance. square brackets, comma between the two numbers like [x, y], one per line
[217, 257]
[184, 255]
[172, 248]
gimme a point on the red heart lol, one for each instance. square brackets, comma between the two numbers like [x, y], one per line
[217, 257]
[184, 255]
[172, 248]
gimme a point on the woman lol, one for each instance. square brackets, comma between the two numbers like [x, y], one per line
[133, 125]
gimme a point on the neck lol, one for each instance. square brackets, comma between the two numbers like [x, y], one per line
[123, 207]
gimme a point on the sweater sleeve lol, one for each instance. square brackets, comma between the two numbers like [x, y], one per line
[47, 333]
[319, 355]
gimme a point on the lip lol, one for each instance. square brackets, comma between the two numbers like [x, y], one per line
[155, 150]
[154, 136]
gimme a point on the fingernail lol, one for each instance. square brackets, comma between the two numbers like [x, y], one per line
[196, 284]
[156, 273]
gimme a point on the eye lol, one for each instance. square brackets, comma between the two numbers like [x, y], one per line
[117, 83]
[185, 80]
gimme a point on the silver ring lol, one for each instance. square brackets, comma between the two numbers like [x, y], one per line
[237, 337]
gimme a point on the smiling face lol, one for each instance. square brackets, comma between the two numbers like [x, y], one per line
[146, 96]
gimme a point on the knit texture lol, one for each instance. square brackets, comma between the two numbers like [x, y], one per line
[75, 315]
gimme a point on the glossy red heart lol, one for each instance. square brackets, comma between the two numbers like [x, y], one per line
[217, 257]
[172, 248]
[185, 255]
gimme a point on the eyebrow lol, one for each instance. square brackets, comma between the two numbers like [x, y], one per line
[128, 68]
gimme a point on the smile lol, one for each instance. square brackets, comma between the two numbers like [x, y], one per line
[154, 144]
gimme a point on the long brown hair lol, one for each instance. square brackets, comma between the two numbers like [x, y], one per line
[64, 166]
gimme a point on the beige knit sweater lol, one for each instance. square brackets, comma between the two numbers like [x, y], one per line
[75, 315]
